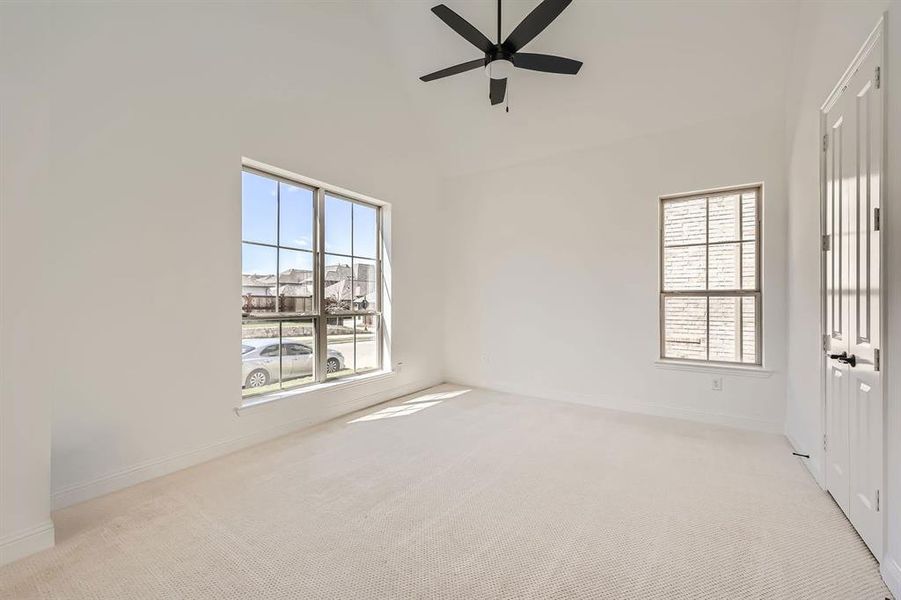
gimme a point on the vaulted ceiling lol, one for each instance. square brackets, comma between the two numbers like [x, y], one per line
[650, 66]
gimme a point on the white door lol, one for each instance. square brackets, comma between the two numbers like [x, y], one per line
[853, 392]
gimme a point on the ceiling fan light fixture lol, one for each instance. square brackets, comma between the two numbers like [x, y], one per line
[500, 68]
[502, 57]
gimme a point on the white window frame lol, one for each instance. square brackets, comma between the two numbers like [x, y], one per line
[318, 316]
[708, 293]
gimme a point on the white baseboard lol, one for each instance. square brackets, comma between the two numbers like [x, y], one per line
[813, 463]
[891, 574]
[21, 543]
[152, 469]
[645, 408]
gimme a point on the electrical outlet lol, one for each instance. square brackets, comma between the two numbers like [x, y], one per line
[717, 384]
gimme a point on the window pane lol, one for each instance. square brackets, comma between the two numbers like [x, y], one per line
[295, 216]
[683, 268]
[725, 329]
[295, 281]
[749, 329]
[685, 327]
[258, 278]
[298, 353]
[340, 359]
[365, 296]
[749, 216]
[259, 208]
[724, 220]
[367, 343]
[260, 358]
[724, 267]
[749, 266]
[338, 283]
[684, 222]
[365, 231]
[338, 226]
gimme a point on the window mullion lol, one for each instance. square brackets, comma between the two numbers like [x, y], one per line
[741, 278]
[319, 285]
[707, 268]
[380, 354]
[278, 282]
[278, 252]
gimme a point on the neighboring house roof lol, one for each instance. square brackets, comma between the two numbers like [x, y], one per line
[335, 272]
[299, 290]
[295, 282]
[255, 280]
[296, 276]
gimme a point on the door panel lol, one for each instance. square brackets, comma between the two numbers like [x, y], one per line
[864, 179]
[836, 271]
[838, 481]
[866, 460]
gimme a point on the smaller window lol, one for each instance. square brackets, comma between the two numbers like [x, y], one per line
[710, 293]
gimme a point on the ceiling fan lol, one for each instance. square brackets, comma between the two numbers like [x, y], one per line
[502, 57]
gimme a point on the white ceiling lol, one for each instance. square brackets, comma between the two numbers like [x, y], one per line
[650, 66]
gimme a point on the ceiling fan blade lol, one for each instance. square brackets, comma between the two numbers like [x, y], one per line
[463, 27]
[534, 23]
[546, 63]
[456, 69]
[498, 91]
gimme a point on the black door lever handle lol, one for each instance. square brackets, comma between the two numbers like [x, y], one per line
[848, 360]
[839, 356]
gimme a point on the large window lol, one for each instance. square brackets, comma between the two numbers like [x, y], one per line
[310, 284]
[710, 298]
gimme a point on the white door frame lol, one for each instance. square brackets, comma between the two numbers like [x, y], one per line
[876, 34]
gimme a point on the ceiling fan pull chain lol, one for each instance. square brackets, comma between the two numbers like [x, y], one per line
[507, 97]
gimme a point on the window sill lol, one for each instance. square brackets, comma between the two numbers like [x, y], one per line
[741, 371]
[328, 386]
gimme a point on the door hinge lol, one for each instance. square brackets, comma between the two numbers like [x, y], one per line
[824, 442]
[878, 77]
[825, 142]
[876, 360]
[827, 242]
[877, 500]
[877, 221]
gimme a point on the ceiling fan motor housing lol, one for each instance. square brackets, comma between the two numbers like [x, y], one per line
[499, 63]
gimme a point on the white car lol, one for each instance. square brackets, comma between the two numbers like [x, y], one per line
[260, 358]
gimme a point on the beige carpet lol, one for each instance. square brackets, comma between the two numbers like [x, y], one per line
[475, 495]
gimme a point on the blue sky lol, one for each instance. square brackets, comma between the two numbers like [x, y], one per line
[346, 223]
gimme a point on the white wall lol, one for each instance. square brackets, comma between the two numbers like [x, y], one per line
[125, 221]
[552, 273]
[25, 524]
[830, 35]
